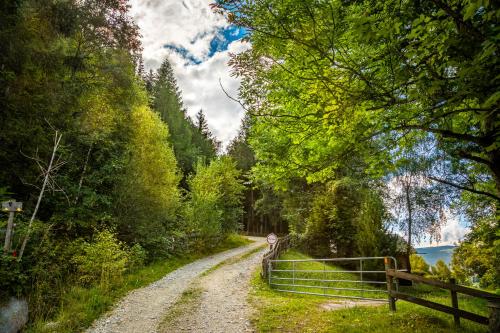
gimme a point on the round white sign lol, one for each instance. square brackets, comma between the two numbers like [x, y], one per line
[272, 238]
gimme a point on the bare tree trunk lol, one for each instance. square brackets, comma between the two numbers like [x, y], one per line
[410, 222]
[250, 211]
[83, 174]
[57, 140]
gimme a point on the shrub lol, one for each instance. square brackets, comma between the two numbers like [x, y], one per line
[418, 265]
[12, 279]
[137, 257]
[103, 261]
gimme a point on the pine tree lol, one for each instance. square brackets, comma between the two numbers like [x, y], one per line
[191, 141]
[202, 125]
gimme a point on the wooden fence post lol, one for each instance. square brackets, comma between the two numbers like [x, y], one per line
[392, 301]
[269, 272]
[264, 268]
[494, 319]
[454, 303]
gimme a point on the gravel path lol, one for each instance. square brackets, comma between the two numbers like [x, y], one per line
[222, 305]
[143, 309]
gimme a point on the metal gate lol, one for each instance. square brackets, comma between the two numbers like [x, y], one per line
[359, 278]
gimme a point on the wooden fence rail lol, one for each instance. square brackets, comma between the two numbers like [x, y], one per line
[281, 245]
[493, 300]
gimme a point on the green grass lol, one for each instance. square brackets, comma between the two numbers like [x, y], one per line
[189, 300]
[80, 306]
[231, 242]
[287, 312]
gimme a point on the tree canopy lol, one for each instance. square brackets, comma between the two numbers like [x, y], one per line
[331, 77]
[376, 92]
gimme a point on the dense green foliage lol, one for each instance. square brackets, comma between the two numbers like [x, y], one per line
[148, 198]
[373, 69]
[383, 93]
[479, 255]
[214, 207]
[116, 196]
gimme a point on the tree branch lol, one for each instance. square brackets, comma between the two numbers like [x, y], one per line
[231, 97]
[449, 134]
[464, 188]
[475, 158]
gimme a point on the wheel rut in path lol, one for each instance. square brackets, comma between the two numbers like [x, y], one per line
[220, 304]
[143, 309]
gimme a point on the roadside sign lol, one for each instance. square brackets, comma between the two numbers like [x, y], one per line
[12, 206]
[272, 239]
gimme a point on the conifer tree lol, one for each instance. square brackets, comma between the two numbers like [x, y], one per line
[202, 125]
[190, 141]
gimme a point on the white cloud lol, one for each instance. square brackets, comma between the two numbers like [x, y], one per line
[192, 25]
[201, 87]
[452, 232]
[187, 23]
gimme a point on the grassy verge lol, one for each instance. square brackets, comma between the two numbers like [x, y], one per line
[286, 312]
[80, 306]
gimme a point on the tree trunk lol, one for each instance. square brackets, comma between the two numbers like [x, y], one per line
[250, 211]
[410, 222]
[57, 140]
[80, 183]
[495, 168]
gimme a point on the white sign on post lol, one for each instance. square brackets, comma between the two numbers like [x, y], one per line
[272, 239]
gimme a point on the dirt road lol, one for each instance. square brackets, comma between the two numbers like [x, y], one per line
[142, 310]
[220, 301]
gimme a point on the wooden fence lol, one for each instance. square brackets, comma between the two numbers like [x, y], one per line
[493, 300]
[281, 245]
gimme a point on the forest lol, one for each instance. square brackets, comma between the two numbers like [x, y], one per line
[367, 125]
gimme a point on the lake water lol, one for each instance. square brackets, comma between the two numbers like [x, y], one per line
[433, 254]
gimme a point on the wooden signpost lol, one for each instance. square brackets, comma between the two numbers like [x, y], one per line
[11, 207]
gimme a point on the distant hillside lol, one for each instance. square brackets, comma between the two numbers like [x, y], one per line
[433, 254]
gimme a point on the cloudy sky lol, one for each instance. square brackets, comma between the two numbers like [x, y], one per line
[452, 232]
[198, 43]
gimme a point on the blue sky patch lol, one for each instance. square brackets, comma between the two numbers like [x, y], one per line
[219, 43]
[188, 56]
[225, 37]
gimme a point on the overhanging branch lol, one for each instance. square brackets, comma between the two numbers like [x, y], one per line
[449, 134]
[464, 188]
